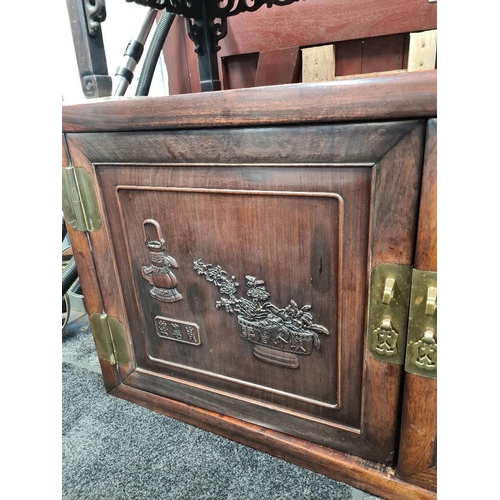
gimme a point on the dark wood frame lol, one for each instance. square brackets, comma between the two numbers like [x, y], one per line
[375, 98]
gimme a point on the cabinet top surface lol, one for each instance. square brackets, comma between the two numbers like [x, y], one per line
[386, 96]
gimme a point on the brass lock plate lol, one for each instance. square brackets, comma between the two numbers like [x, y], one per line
[390, 287]
[421, 350]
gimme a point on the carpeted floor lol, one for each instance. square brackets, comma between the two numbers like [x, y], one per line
[115, 450]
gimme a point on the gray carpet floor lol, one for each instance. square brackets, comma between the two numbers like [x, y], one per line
[113, 449]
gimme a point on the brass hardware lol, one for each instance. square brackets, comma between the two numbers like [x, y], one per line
[385, 339]
[431, 304]
[388, 290]
[424, 355]
[390, 287]
[110, 340]
[79, 200]
[421, 350]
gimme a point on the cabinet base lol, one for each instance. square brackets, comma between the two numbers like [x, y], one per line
[362, 474]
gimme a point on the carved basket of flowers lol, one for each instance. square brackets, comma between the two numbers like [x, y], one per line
[279, 335]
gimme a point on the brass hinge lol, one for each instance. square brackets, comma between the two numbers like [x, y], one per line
[390, 287]
[110, 340]
[79, 200]
[421, 349]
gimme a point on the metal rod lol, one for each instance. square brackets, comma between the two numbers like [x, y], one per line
[132, 55]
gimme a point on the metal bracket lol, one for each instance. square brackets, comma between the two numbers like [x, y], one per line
[79, 200]
[97, 85]
[95, 11]
[421, 349]
[110, 340]
[390, 287]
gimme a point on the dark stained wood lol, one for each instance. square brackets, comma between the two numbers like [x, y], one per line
[266, 254]
[265, 415]
[377, 74]
[384, 53]
[383, 97]
[216, 183]
[363, 143]
[418, 440]
[426, 252]
[376, 53]
[175, 50]
[305, 24]
[348, 57]
[277, 67]
[368, 476]
[406, 51]
[261, 160]
[88, 279]
[324, 21]
[393, 233]
[112, 302]
[239, 71]
[90, 53]
[393, 211]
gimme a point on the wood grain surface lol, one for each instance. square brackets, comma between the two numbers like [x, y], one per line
[278, 67]
[378, 97]
[304, 24]
[89, 280]
[345, 187]
[418, 441]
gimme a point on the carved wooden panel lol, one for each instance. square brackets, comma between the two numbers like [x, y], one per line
[262, 240]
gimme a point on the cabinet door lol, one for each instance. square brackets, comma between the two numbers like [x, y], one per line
[239, 261]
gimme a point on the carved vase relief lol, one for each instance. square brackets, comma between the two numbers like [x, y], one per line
[279, 335]
[158, 274]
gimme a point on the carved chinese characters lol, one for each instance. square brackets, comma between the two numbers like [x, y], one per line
[181, 331]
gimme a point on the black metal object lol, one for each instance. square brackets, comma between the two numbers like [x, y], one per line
[206, 23]
[153, 54]
[85, 17]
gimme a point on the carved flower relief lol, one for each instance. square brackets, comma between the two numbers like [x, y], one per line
[256, 290]
[290, 329]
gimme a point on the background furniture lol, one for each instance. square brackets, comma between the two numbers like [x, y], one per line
[263, 47]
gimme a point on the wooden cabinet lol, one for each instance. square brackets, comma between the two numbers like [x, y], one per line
[226, 260]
